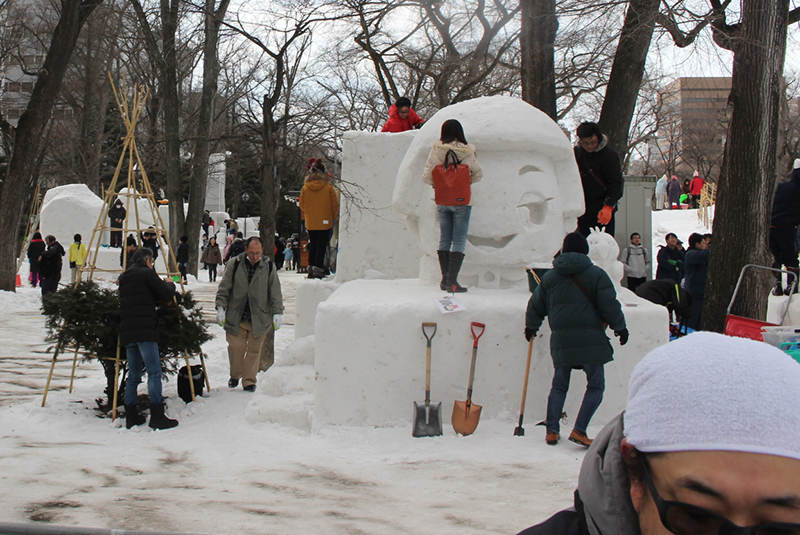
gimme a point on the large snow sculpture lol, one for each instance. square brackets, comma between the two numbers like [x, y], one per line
[528, 199]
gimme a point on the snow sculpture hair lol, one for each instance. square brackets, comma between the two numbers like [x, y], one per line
[707, 391]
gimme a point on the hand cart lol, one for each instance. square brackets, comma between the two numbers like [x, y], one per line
[748, 327]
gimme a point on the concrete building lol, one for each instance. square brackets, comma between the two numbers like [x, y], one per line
[693, 132]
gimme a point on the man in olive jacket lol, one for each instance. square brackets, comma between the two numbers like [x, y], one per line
[578, 297]
[249, 304]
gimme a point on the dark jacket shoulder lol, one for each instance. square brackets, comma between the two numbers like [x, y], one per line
[570, 521]
[140, 290]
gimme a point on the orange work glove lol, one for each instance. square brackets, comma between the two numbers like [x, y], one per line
[604, 215]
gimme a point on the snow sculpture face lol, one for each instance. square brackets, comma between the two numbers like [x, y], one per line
[528, 199]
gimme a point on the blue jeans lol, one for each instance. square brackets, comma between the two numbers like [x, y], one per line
[595, 385]
[453, 225]
[143, 355]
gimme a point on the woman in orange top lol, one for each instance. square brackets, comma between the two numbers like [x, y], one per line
[319, 201]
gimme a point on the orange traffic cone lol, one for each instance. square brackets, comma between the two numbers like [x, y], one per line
[19, 281]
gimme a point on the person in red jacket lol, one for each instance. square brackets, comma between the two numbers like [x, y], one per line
[402, 117]
[696, 188]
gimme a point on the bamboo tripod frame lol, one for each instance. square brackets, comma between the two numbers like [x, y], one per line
[130, 111]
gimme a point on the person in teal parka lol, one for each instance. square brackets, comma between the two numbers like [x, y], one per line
[577, 297]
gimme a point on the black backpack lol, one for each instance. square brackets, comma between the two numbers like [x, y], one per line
[237, 248]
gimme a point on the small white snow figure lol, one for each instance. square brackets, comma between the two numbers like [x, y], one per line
[604, 251]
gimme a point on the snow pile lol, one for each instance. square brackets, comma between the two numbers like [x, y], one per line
[527, 201]
[75, 209]
[285, 392]
[368, 345]
[19, 301]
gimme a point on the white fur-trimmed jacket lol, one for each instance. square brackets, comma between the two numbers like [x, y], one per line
[465, 153]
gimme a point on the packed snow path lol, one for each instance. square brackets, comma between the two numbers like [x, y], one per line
[24, 357]
[219, 473]
[25, 360]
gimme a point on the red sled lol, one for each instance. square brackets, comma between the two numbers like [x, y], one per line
[451, 182]
[747, 327]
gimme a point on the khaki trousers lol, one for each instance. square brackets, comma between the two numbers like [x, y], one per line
[244, 352]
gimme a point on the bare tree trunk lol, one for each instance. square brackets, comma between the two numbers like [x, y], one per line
[199, 181]
[171, 107]
[748, 178]
[537, 41]
[627, 72]
[30, 133]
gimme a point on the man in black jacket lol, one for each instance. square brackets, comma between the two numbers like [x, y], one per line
[783, 227]
[669, 294]
[140, 289]
[50, 265]
[601, 178]
[182, 257]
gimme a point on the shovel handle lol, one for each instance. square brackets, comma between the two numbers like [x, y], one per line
[428, 361]
[476, 337]
[525, 386]
[424, 332]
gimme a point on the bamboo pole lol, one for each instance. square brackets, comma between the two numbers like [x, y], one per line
[50, 375]
[74, 365]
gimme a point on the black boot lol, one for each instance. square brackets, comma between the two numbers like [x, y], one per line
[444, 265]
[158, 420]
[132, 416]
[452, 273]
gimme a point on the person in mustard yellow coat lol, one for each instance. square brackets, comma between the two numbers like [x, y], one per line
[319, 201]
[77, 256]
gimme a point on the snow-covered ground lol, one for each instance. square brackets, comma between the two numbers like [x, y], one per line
[219, 473]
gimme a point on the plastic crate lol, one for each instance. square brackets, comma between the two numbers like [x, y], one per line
[776, 336]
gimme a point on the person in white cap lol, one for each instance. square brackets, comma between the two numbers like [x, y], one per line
[709, 445]
[783, 227]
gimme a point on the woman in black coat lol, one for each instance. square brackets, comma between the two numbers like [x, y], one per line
[35, 250]
[670, 260]
[117, 215]
[696, 275]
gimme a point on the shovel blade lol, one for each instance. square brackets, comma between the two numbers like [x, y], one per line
[465, 417]
[427, 419]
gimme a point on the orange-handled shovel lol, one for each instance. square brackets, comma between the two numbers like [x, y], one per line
[465, 413]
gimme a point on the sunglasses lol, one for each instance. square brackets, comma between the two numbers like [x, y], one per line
[687, 519]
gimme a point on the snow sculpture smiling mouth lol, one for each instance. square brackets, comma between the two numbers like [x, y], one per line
[490, 243]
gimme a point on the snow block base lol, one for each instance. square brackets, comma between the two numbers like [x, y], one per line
[370, 354]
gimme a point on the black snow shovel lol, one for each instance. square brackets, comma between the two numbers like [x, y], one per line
[465, 413]
[427, 415]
